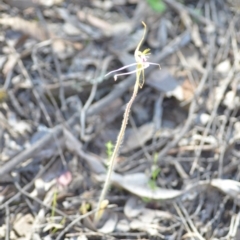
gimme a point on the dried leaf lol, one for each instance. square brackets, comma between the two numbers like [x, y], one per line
[149, 215]
[107, 28]
[9, 64]
[165, 82]
[141, 226]
[223, 67]
[138, 185]
[231, 100]
[49, 3]
[110, 224]
[133, 207]
[21, 4]
[23, 224]
[139, 138]
[228, 186]
[32, 29]
[70, 29]
[123, 226]
[75, 146]
[188, 90]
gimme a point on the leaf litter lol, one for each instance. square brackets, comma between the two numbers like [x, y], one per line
[177, 175]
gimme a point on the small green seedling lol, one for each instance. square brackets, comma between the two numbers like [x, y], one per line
[146, 199]
[54, 205]
[157, 5]
[154, 173]
[109, 149]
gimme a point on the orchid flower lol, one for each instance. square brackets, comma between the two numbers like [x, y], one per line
[141, 62]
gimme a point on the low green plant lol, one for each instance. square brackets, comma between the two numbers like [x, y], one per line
[109, 149]
[141, 64]
[146, 199]
[157, 5]
[154, 173]
[54, 205]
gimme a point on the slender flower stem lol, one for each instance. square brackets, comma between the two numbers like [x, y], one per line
[116, 149]
[141, 64]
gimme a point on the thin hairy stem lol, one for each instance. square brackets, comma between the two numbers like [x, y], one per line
[141, 64]
[116, 149]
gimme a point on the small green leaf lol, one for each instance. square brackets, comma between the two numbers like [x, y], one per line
[155, 158]
[152, 184]
[157, 5]
[155, 173]
[146, 200]
[109, 149]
